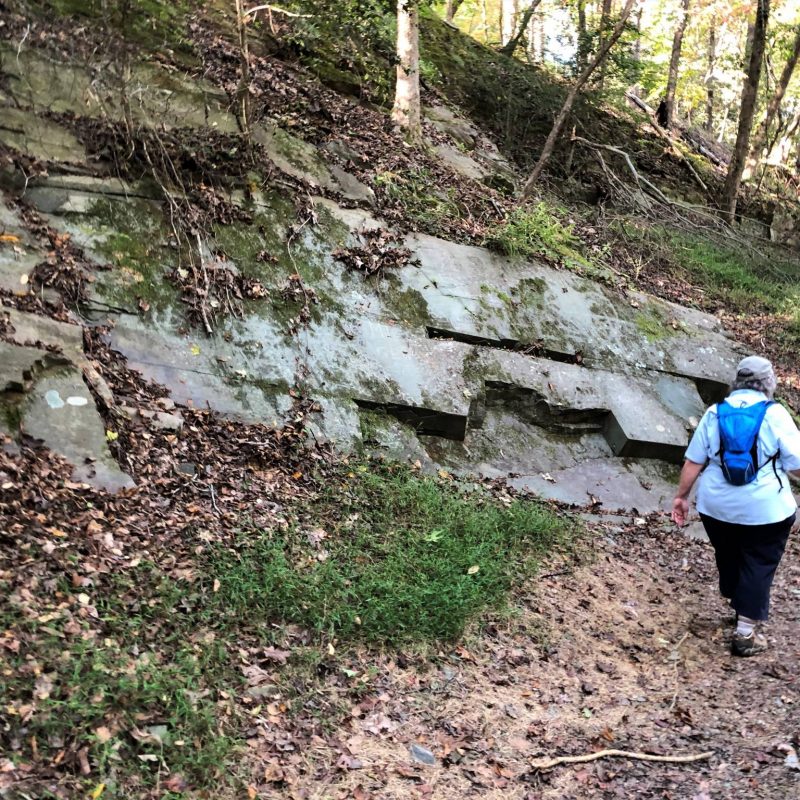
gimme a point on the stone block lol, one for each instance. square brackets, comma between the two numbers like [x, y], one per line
[60, 411]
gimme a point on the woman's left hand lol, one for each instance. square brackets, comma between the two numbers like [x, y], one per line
[680, 511]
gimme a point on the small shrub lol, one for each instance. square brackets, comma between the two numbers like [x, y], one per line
[421, 202]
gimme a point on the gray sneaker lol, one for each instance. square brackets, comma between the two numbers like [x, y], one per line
[750, 645]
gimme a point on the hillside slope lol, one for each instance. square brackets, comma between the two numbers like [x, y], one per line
[288, 414]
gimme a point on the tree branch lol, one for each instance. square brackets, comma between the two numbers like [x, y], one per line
[513, 43]
[561, 118]
[549, 763]
[276, 9]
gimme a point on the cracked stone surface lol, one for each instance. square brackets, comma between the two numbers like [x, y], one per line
[60, 411]
[466, 401]
[43, 395]
[418, 363]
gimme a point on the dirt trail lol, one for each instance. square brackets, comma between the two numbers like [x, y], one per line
[632, 654]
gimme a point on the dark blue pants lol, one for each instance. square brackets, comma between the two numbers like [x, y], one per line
[747, 557]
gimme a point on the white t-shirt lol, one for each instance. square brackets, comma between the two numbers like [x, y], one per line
[764, 500]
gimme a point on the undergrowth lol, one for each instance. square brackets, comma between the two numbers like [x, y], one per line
[144, 692]
[541, 231]
[741, 279]
[416, 191]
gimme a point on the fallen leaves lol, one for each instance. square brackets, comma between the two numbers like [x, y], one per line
[275, 655]
[103, 734]
[379, 252]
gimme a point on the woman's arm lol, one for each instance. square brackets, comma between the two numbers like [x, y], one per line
[680, 505]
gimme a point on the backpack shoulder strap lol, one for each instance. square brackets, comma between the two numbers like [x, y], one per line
[774, 457]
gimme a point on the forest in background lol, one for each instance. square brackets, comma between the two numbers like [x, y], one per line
[689, 59]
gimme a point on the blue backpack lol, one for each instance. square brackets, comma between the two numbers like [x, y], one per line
[738, 437]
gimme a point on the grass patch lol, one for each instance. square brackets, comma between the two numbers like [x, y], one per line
[742, 279]
[745, 281]
[736, 275]
[540, 231]
[146, 687]
[415, 190]
[405, 558]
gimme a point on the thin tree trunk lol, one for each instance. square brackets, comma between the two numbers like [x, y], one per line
[760, 137]
[542, 38]
[605, 15]
[406, 110]
[533, 41]
[674, 61]
[781, 148]
[749, 95]
[509, 48]
[508, 20]
[450, 9]
[637, 47]
[724, 126]
[583, 36]
[562, 116]
[710, 79]
[243, 89]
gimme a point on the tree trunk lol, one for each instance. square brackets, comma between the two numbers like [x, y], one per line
[562, 116]
[533, 40]
[605, 15]
[406, 110]
[508, 20]
[542, 30]
[243, 89]
[509, 48]
[760, 137]
[710, 79]
[637, 47]
[674, 61]
[450, 9]
[583, 37]
[749, 95]
[724, 126]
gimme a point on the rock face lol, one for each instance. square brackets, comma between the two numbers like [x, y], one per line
[461, 359]
[44, 395]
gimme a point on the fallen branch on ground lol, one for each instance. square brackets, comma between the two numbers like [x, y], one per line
[277, 10]
[665, 135]
[641, 181]
[648, 188]
[554, 762]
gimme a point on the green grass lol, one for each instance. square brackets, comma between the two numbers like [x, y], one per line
[416, 191]
[150, 685]
[406, 559]
[541, 231]
[743, 279]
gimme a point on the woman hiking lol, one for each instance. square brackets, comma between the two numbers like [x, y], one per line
[742, 452]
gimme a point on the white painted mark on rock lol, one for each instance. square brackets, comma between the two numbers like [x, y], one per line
[53, 399]
[77, 401]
